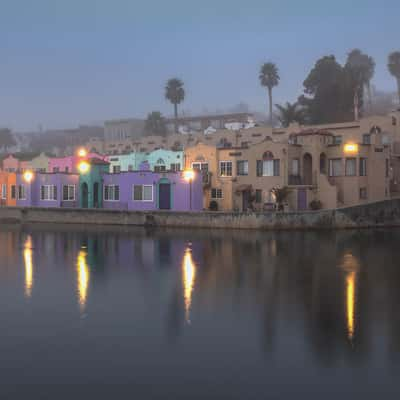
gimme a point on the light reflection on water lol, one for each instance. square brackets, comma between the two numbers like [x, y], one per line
[83, 275]
[28, 262]
[189, 276]
[265, 306]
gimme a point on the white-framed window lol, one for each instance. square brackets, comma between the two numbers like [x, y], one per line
[268, 167]
[351, 166]
[200, 166]
[296, 167]
[175, 167]
[4, 191]
[335, 167]
[216, 193]
[142, 192]
[48, 192]
[111, 193]
[242, 167]
[225, 168]
[68, 192]
[159, 168]
[116, 169]
[21, 192]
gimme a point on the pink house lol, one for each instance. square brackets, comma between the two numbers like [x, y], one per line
[11, 164]
[70, 163]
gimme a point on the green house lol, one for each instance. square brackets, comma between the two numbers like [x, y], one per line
[91, 183]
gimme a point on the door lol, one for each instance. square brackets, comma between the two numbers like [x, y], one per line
[96, 195]
[245, 200]
[164, 196]
[302, 199]
[85, 195]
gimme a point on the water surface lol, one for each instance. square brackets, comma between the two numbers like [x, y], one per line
[201, 314]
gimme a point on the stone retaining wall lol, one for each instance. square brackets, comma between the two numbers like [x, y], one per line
[384, 213]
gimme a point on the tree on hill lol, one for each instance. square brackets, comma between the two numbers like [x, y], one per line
[269, 78]
[290, 113]
[394, 68]
[6, 139]
[155, 124]
[329, 92]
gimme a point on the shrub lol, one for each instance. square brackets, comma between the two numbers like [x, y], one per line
[213, 205]
[315, 205]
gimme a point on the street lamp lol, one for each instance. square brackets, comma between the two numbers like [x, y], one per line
[351, 148]
[83, 167]
[28, 176]
[188, 175]
[82, 152]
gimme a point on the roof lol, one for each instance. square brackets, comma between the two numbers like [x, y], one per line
[311, 132]
[97, 161]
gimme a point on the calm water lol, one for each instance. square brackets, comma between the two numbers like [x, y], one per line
[197, 314]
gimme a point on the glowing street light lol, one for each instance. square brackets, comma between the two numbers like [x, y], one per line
[188, 175]
[82, 152]
[351, 148]
[28, 176]
[83, 167]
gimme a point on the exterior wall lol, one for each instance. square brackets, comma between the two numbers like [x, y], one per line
[181, 200]
[40, 163]
[169, 157]
[8, 179]
[95, 175]
[11, 164]
[70, 164]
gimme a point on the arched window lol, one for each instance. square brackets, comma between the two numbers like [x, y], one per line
[268, 156]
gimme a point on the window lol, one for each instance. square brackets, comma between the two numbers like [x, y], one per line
[225, 168]
[4, 191]
[363, 193]
[48, 192]
[159, 168]
[143, 192]
[21, 192]
[200, 166]
[116, 169]
[242, 167]
[351, 164]
[295, 167]
[258, 196]
[175, 167]
[268, 167]
[363, 167]
[337, 140]
[216, 193]
[66, 169]
[13, 192]
[111, 193]
[130, 167]
[56, 169]
[335, 167]
[387, 168]
[366, 138]
[68, 192]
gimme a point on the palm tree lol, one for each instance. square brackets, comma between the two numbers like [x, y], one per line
[269, 78]
[175, 93]
[394, 68]
[290, 113]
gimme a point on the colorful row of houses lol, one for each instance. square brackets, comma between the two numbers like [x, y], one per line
[94, 187]
[327, 166]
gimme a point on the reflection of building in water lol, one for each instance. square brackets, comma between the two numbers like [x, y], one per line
[351, 266]
[28, 261]
[83, 278]
[189, 276]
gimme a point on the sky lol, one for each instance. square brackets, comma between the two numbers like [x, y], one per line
[70, 62]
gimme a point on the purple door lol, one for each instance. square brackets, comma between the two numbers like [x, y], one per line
[301, 199]
[164, 196]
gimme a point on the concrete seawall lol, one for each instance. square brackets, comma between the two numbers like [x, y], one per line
[381, 214]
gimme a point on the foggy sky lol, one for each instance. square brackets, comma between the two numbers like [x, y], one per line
[81, 61]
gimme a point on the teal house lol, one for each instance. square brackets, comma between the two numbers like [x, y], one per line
[91, 182]
[159, 161]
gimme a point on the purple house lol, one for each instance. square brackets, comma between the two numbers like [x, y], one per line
[47, 190]
[147, 190]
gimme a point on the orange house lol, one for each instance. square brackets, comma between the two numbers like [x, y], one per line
[8, 189]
